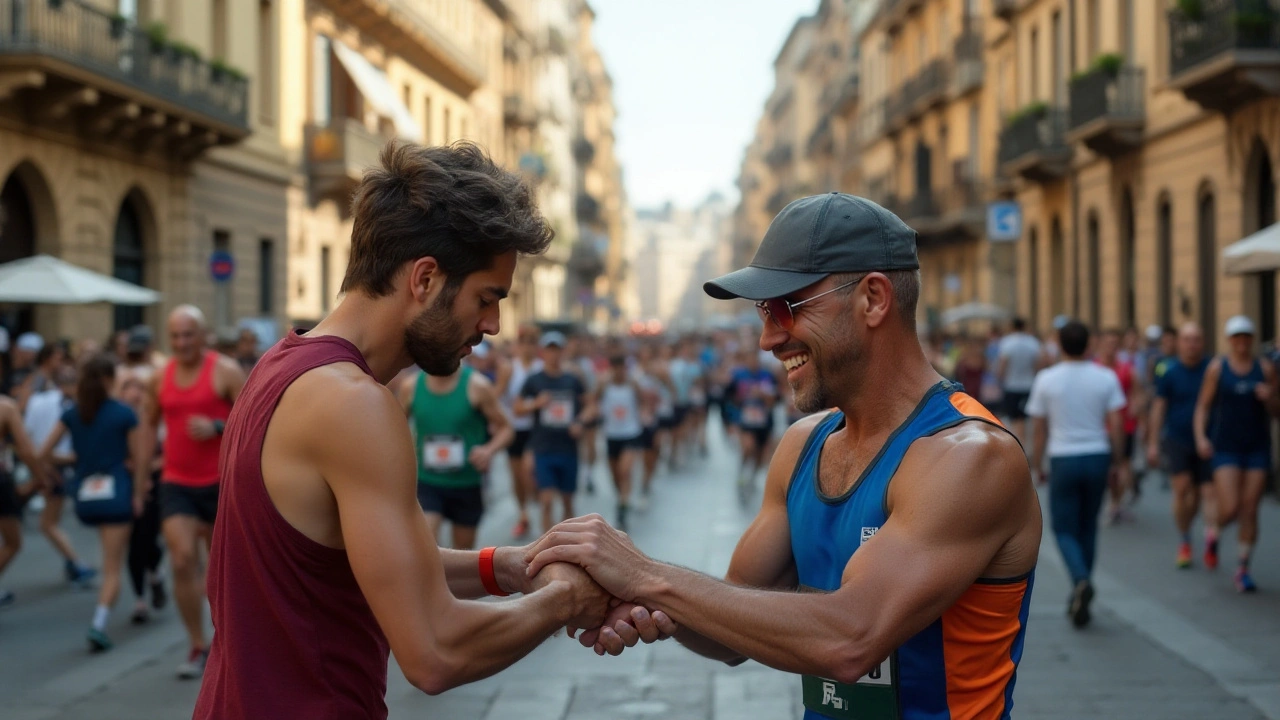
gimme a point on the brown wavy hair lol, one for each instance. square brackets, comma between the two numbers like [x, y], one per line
[451, 203]
[96, 374]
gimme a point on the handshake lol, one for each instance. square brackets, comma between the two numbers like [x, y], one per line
[607, 578]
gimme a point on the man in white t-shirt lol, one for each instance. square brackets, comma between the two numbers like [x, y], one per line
[1075, 406]
[1018, 358]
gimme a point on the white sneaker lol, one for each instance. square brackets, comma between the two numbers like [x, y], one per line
[642, 503]
[193, 668]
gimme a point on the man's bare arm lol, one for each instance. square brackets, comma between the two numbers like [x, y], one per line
[940, 537]
[148, 427]
[362, 449]
[1039, 441]
[231, 378]
[485, 399]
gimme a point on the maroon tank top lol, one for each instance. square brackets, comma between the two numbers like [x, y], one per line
[293, 634]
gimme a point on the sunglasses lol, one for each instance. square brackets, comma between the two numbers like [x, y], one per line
[783, 312]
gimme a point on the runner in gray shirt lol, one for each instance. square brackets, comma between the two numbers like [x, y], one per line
[1019, 357]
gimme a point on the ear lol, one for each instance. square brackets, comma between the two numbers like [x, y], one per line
[425, 277]
[879, 299]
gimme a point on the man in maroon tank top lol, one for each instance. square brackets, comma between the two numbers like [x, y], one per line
[192, 395]
[321, 559]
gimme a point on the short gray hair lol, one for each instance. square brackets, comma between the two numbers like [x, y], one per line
[906, 291]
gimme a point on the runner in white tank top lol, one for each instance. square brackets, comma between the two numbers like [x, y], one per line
[511, 376]
[621, 401]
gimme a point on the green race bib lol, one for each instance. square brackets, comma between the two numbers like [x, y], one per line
[873, 697]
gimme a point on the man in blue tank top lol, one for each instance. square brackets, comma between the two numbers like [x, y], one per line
[906, 516]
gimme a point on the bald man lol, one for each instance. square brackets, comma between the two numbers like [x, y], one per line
[192, 395]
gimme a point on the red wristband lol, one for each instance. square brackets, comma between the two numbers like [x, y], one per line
[487, 577]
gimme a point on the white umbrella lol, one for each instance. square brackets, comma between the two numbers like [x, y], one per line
[1260, 252]
[48, 280]
[974, 311]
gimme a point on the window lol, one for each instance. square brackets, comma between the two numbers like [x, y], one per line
[128, 261]
[325, 295]
[1164, 262]
[1058, 79]
[1034, 65]
[221, 290]
[265, 78]
[1207, 268]
[1094, 277]
[219, 28]
[266, 276]
[426, 120]
[321, 99]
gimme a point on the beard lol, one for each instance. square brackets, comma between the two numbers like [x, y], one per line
[835, 366]
[434, 340]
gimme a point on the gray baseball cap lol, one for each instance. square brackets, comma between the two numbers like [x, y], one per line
[814, 237]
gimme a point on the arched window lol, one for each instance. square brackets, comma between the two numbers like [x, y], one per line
[128, 260]
[1058, 261]
[1164, 261]
[1092, 278]
[1207, 266]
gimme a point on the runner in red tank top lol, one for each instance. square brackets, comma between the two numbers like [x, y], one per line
[321, 559]
[192, 395]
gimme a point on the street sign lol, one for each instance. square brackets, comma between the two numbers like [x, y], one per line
[221, 265]
[1004, 221]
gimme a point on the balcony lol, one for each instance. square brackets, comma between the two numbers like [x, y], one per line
[966, 74]
[1228, 54]
[337, 155]
[404, 29]
[926, 89]
[1005, 9]
[871, 122]
[822, 140]
[79, 69]
[779, 155]
[517, 111]
[1107, 112]
[1033, 145]
[841, 94]
[895, 12]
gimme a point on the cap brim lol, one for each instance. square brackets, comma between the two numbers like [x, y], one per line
[753, 283]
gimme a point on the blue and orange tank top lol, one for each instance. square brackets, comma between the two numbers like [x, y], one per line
[964, 663]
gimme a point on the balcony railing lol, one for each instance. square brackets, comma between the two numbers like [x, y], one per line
[871, 117]
[779, 155]
[517, 110]
[1107, 110]
[1226, 54]
[821, 140]
[918, 94]
[1034, 145]
[337, 155]
[81, 36]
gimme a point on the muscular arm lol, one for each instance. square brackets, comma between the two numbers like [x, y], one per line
[485, 399]
[976, 511]
[1272, 402]
[361, 447]
[231, 378]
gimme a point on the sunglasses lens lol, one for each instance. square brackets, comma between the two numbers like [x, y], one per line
[780, 311]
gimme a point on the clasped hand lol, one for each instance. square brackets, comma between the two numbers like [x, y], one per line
[615, 566]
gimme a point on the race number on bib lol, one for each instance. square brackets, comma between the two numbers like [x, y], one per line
[558, 413]
[444, 452]
[754, 416]
[873, 697]
[97, 487]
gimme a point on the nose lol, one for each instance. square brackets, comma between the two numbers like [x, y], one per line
[771, 335]
[491, 323]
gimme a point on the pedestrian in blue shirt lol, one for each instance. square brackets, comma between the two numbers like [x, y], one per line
[104, 439]
[1178, 381]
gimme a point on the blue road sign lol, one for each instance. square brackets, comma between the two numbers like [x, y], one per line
[1004, 221]
[222, 265]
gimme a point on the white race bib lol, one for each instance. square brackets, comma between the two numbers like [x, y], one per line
[557, 414]
[754, 416]
[444, 452]
[97, 487]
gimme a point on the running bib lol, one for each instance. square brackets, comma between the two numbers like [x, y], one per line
[874, 697]
[444, 452]
[754, 416]
[97, 487]
[557, 414]
[620, 413]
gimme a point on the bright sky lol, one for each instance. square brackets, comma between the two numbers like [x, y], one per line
[690, 78]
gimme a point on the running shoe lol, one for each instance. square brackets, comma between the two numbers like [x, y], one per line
[1244, 583]
[1080, 599]
[520, 529]
[98, 641]
[1211, 554]
[6, 598]
[1184, 555]
[642, 502]
[141, 615]
[193, 668]
[79, 574]
[159, 598]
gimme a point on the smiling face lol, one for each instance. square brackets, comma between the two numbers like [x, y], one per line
[458, 318]
[820, 350]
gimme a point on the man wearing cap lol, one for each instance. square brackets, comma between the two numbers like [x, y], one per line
[907, 514]
[1239, 391]
[459, 426]
[556, 401]
[25, 349]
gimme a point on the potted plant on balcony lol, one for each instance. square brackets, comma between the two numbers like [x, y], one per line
[220, 71]
[158, 37]
[118, 23]
[1253, 20]
[1031, 112]
[1191, 9]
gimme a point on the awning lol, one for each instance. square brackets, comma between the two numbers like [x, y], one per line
[48, 280]
[1260, 252]
[377, 90]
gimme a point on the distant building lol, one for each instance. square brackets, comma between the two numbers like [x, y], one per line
[674, 251]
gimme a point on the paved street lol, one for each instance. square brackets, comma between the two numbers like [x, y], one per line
[1167, 644]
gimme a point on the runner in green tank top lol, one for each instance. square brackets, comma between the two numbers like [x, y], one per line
[458, 426]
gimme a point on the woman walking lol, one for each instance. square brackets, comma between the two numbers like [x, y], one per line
[104, 437]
